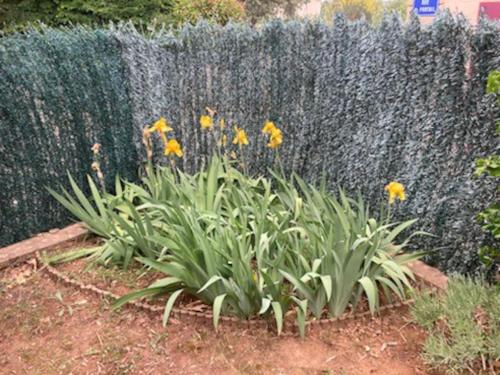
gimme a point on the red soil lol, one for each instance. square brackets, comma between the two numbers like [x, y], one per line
[49, 328]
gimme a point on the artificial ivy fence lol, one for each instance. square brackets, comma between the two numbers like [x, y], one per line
[363, 105]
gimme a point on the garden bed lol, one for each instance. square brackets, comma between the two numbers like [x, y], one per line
[269, 255]
[61, 329]
[114, 282]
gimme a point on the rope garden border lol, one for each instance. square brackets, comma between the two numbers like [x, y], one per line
[207, 317]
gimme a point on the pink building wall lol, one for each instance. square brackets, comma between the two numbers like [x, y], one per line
[311, 9]
[470, 8]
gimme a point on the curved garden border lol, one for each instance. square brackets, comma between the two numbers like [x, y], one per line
[207, 317]
[20, 251]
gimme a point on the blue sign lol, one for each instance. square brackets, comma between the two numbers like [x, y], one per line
[425, 7]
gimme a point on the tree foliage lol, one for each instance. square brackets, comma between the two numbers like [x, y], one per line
[371, 10]
[262, 9]
[103, 11]
[218, 11]
[398, 6]
[17, 14]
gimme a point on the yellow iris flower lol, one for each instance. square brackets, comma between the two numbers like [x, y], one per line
[395, 190]
[160, 126]
[222, 123]
[173, 147]
[206, 122]
[276, 138]
[241, 137]
[268, 127]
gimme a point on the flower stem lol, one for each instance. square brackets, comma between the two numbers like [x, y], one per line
[280, 164]
[243, 161]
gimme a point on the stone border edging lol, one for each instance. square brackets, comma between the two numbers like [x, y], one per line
[22, 250]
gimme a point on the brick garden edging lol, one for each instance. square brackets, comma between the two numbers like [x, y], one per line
[43, 241]
[429, 275]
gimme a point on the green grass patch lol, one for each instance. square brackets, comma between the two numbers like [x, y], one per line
[463, 325]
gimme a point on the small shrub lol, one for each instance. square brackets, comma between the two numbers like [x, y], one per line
[490, 217]
[463, 326]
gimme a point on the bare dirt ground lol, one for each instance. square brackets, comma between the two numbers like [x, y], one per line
[49, 328]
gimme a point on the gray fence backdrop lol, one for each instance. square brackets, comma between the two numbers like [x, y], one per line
[364, 105]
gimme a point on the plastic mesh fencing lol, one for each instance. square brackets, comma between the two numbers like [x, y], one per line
[364, 105]
[61, 91]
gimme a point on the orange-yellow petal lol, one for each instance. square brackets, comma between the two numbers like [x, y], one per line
[173, 147]
[395, 190]
[268, 127]
[161, 126]
[206, 122]
[240, 137]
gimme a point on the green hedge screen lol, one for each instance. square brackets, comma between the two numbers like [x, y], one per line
[364, 105]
